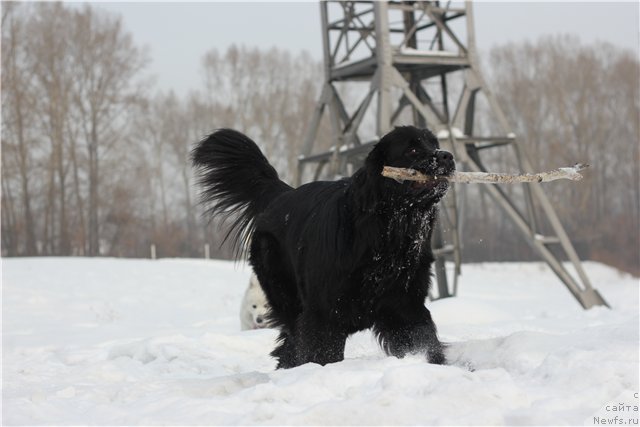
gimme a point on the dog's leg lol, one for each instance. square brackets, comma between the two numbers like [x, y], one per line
[280, 290]
[285, 351]
[409, 331]
[276, 278]
[318, 341]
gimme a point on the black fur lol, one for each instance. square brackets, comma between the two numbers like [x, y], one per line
[335, 257]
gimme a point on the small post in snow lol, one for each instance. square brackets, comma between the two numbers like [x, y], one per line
[153, 251]
[207, 253]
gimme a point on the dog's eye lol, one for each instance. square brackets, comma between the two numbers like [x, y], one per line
[254, 306]
[413, 152]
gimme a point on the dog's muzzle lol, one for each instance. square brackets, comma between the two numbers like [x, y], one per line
[445, 165]
[439, 166]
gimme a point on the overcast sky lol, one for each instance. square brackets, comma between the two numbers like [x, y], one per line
[178, 34]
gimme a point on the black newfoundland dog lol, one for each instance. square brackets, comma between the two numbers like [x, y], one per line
[337, 257]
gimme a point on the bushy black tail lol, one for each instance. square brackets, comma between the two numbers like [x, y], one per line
[236, 180]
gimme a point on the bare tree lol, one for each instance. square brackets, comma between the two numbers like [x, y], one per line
[68, 85]
[106, 63]
[17, 115]
[49, 63]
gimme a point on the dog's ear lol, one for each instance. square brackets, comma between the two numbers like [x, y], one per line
[253, 282]
[382, 152]
[377, 157]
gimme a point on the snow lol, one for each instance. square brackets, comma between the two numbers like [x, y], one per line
[142, 342]
[444, 133]
[412, 51]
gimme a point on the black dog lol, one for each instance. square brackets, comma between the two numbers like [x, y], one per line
[337, 257]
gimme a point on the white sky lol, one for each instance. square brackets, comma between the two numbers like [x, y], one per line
[178, 34]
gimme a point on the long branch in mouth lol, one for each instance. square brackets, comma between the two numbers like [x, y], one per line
[570, 173]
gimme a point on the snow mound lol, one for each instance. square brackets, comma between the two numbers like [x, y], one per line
[140, 342]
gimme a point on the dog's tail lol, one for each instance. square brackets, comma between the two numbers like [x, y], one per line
[236, 181]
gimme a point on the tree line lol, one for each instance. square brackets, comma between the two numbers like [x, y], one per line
[95, 157]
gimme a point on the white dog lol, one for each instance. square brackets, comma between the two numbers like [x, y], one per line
[254, 306]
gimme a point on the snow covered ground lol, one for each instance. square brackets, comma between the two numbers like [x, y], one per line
[130, 342]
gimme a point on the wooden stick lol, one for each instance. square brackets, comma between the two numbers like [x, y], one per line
[571, 173]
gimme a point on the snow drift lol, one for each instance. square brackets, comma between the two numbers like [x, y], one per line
[113, 342]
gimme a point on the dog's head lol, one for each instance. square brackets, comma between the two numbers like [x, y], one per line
[255, 303]
[410, 147]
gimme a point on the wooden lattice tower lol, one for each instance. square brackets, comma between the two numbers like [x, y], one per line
[407, 54]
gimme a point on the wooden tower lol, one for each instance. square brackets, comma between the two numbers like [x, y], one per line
[403, 62]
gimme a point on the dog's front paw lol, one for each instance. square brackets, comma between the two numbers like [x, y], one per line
[435, 355]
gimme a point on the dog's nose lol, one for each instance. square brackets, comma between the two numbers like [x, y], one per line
[445, 160]
[259, 319]
[444, 156]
